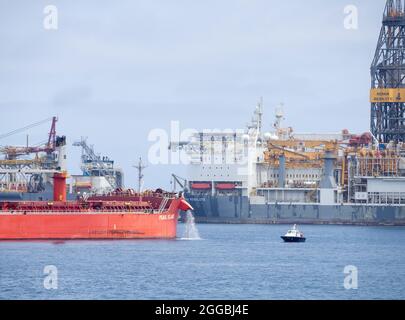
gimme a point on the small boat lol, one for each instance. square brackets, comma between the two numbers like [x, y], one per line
[294, 235]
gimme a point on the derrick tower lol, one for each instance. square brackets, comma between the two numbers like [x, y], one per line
[388, 76]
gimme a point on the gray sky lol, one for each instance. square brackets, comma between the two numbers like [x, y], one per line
[114, 70]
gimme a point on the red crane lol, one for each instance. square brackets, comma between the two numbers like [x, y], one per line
[13, 152]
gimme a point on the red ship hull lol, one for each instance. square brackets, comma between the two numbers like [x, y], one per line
[88, 226]
[92, 224]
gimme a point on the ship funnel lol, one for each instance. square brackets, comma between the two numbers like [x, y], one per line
[59, 186]
[328, 180]
[281, 171]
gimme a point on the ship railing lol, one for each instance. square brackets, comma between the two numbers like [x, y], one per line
[386, 198]
[145, 211]
[143, 194]
[374, 167]
[163, 204]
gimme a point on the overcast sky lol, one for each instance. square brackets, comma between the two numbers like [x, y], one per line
[114, 70]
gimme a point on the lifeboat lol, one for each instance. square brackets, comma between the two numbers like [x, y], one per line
[201, 186]
[225, 186]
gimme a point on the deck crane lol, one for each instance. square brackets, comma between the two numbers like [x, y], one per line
[179, 181]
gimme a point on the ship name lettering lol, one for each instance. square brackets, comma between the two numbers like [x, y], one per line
[167, 217]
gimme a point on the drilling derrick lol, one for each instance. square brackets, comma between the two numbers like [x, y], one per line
[388, 76]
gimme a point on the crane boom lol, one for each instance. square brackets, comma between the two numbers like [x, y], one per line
[16, 151]
[8, 134]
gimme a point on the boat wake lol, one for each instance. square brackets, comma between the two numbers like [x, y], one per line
[191, 231]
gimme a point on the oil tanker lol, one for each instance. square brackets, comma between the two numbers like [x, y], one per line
[117, 215]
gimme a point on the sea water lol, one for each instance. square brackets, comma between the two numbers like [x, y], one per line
[232, 262]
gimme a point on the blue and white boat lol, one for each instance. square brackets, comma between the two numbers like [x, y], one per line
[294, 235]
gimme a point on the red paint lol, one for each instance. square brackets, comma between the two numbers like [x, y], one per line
[225, 186]
[89, 220]
[185, 206]
[59, 187]
[201, 186]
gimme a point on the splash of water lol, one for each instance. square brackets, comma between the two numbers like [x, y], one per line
[191, 231]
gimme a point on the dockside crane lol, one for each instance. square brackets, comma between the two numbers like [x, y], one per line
[30, 174]
[12, 152]
[91, 163]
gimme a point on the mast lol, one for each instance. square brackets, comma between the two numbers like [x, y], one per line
[259, 114]
[140, 167]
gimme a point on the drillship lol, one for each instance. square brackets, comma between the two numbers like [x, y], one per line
[286, 177]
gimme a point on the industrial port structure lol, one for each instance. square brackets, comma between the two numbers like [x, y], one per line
[99, 174]
[27, 172]
[288, 177]
[255, 176]
[29, 169]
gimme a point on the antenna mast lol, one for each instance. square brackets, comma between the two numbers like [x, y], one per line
[140, 167]
[259, 113]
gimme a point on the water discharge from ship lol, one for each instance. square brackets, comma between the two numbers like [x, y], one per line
[191, 231]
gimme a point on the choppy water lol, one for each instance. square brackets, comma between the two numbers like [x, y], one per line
[231, 262]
